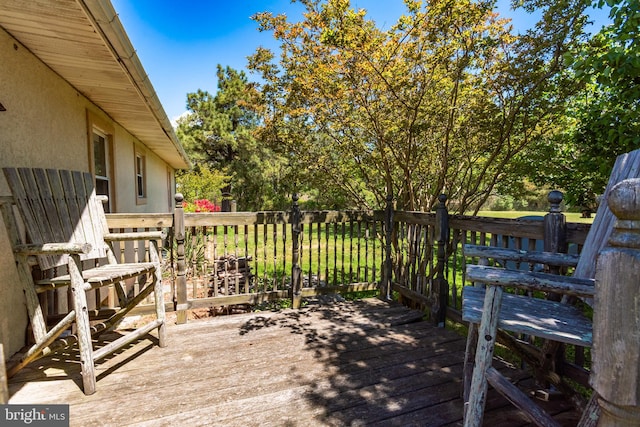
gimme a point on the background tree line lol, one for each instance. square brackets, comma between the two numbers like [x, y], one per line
[448, 100]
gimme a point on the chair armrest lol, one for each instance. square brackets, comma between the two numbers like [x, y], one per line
[137, 235]
[548, 258]
[531, 280]
[53, 249]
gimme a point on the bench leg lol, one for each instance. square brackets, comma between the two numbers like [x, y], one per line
[82, 324]
[4, 388]
[469, 359]
[159, 300]
[158, 294]
[474, 410]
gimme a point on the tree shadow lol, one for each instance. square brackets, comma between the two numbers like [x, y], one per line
[381, 364]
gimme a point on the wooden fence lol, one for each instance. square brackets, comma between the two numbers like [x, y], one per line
[233, 258]
[229, 259]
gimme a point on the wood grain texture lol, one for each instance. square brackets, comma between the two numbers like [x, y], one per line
[361, 363]
[65, 224]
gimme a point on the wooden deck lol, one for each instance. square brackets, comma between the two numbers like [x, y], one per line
[342, 364]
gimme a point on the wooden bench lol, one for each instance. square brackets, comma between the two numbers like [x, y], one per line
[66, 236]
[487, 308]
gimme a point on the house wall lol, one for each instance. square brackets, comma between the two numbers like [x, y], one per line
[47, 123]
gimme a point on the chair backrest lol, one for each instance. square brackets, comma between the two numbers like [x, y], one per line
[58, 206]
[626, 166]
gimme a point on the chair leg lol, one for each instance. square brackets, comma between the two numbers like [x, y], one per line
[469, 359]
[159, 300]
[82, 324]
[158, 293]
[4, 388]
[474, 411]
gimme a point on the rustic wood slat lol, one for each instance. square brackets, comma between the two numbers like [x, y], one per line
[626, 166]
[487, 333]
[529, 280]
[4, 388]
[106, 274]
[550, 258]
[64, 220]
[548, 319]
[532, 316]
[53, 248]
[61, 204]
[71, 202]
[519, 399]
[330, 370]
[51, 210]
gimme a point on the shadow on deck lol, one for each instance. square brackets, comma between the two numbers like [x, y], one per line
[343, 364]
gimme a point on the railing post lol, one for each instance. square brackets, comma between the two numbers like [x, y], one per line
[385, 288]
[440, 284]
[181, 303]
[615, 375]
[555, 240]
[555, 227]
[296, 270]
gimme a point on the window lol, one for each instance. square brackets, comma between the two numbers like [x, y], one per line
[102, 166]
[141, 179]
[100, 133]
[170, 190]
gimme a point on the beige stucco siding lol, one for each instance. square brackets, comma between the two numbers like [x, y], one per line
[47, 124]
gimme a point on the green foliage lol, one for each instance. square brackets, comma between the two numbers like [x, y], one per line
[201, 183]
[442, 102]
[603, 120]
[218, 134]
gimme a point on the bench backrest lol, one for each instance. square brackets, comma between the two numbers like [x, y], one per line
[626, 166]
[58, 206]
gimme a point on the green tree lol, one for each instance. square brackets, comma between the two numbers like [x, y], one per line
[201, 183]
[439, 103]
[604, 118]
[218, 133]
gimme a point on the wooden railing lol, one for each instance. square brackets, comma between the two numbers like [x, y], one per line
[234, 258]
[427, 262]
[224, 260]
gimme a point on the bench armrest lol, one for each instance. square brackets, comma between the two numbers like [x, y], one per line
[53, 249]
[517, 255]
[136, 235]
[531, 280]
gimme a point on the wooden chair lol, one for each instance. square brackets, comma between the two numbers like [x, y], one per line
[65, 229]
[488, 310]
[4, 388]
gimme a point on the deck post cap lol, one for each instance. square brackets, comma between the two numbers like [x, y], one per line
[624, 200]
[555, 197]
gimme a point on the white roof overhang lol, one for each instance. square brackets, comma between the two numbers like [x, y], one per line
[85, 43]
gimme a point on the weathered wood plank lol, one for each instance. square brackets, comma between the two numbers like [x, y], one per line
[550, 258]
[519, 399]
[532, 316]
[529, 280]
[322, 365]
[487, 332]
[626, 166]
[4, 388]
[139, 220]
[64, 220]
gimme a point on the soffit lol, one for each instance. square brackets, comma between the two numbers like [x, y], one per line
[85, 43]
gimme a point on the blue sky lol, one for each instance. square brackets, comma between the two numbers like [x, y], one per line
[180, 42]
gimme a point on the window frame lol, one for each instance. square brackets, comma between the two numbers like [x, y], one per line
[105, 129]
[140, 174]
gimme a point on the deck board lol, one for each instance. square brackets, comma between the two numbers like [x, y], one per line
[344, 364]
